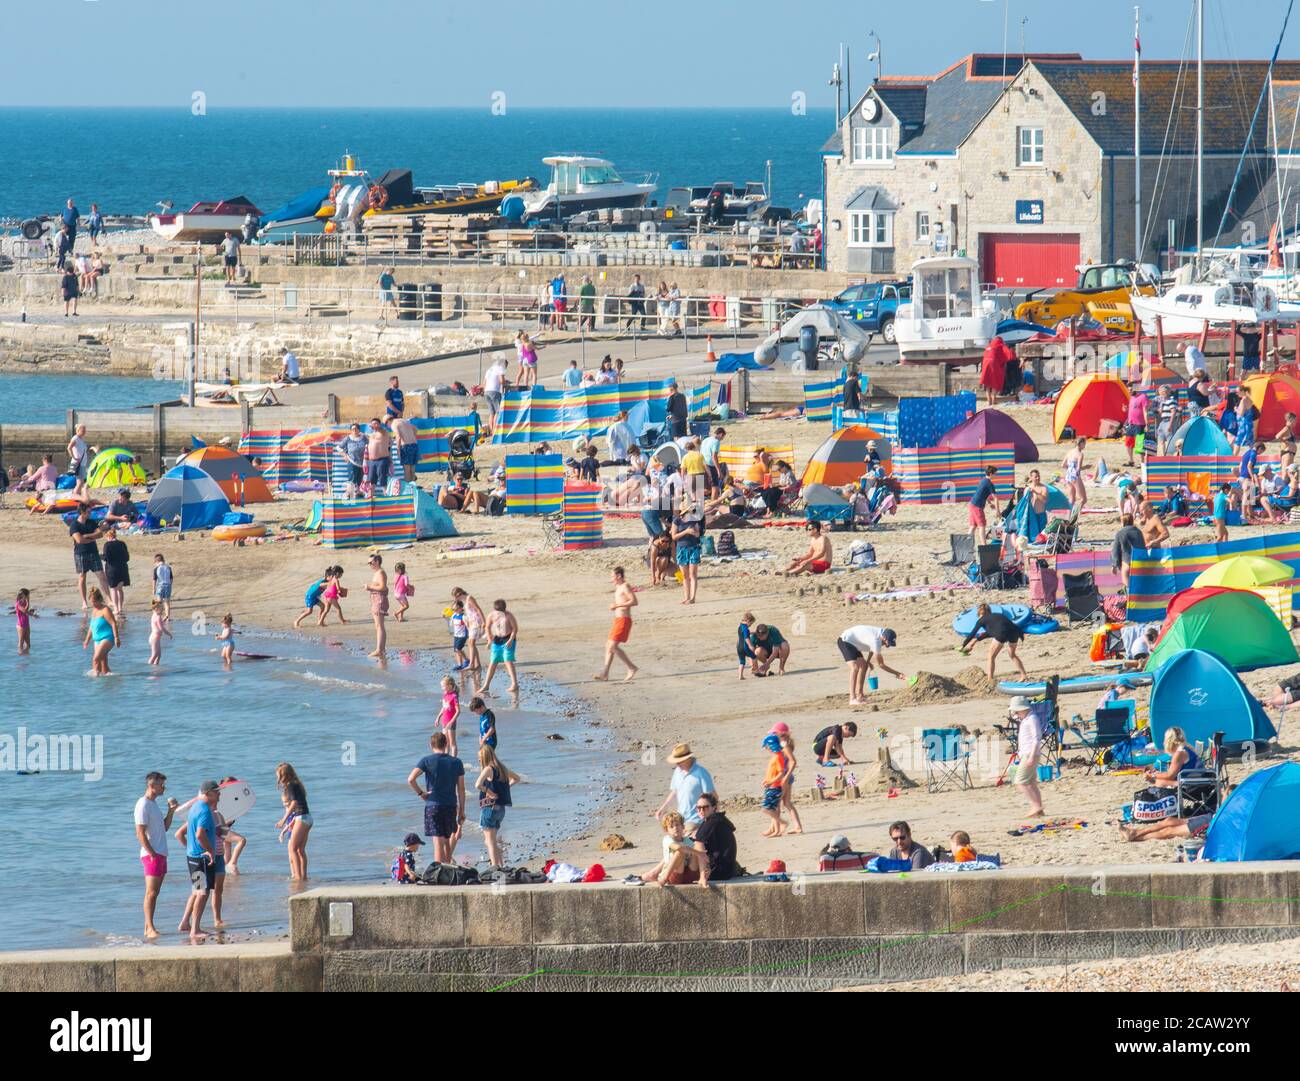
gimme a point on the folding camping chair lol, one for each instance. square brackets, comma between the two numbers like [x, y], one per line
[553, 530]
[1062, 533]
[1082, 598]
[1200, 791]
[947, 759]
[992, 574]
[962, 547]
[1112, 729]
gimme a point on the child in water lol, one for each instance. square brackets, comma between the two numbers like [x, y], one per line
[23, 612]
[402, 589]
[459, 635]
[449, 713]
[227, 639]
[333, 591]
[157, 628]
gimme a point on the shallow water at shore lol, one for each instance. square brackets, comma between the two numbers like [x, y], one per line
[45, 398]
[69, 868]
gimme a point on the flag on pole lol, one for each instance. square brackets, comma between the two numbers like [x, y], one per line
[1137, 43]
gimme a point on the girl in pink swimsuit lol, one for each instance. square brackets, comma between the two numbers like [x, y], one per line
[157, 628]
[23, 612]
[450, 711]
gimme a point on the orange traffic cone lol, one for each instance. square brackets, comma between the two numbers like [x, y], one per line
[709, 354]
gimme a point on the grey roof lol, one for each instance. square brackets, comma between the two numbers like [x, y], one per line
[1232, 88]
[867, 198]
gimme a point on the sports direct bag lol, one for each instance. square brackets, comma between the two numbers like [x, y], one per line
[1153, 804]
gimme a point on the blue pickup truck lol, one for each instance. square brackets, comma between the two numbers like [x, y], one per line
[873, 304]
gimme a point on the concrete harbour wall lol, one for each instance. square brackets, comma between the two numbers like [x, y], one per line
[818, 933]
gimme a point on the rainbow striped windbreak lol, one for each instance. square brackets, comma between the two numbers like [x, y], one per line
[537, 414]
[388, 519]
[1200, 473]
[1158, 573]
[948, 475]
[821, 399]
[433, 433]
[534, 483]
[583, 519]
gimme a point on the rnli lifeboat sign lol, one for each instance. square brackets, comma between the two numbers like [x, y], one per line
[1029, 212]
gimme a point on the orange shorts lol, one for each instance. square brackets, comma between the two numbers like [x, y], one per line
[819, 566]
[621, 631]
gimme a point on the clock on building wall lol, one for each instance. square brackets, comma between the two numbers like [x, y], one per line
[870, 109]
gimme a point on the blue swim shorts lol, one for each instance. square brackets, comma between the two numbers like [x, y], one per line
[688, 555]
[503, 651]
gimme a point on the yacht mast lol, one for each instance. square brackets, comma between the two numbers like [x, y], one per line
[1200, 129]
[1137, 135]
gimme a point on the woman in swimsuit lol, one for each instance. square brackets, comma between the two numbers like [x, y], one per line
[102, 631]
[157, 628]
[378, 590]
[1073, 466]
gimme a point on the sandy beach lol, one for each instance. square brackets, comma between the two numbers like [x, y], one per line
[687, 689]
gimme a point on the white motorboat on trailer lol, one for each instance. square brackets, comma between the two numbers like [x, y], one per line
[205, 221]
[950, 320]
[1185, 309]
[581, 183]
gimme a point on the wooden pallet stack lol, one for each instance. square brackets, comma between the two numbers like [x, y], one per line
[454, 235]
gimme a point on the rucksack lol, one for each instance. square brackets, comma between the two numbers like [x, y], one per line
[862, 554]
[726, 546]
[449, 874]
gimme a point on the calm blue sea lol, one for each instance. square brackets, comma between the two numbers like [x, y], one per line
[127, 159]
[39, 398]
[70, 874]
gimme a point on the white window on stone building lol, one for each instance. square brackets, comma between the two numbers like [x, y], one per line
[1031, 146]
[871, 229]
[872, 145]
[922, 225]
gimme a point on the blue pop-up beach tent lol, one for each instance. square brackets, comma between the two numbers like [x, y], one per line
[1260, 820]
[1197, 691]
[1201, 435]
[188, 498]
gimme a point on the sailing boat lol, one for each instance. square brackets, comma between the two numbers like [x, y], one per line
[1188, 307]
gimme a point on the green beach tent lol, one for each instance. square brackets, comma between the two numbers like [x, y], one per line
[115, 468]
[1235, 624]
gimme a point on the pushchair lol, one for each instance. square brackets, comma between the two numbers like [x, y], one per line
[460, 454]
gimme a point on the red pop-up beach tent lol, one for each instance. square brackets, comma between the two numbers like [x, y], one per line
[990, 426]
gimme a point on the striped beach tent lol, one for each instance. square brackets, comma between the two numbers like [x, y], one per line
[583, 518]
[946, 475]
[841, 458]
[1158, 573]
[185, 497]
[434, 433]
[356, 523]
[534, 483]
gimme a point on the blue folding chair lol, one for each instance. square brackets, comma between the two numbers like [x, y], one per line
[947, 759]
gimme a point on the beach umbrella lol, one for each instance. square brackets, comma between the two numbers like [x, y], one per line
[1160, 376]
[314, 437]
[234, 474]
[186, 497]
[114, 468]
[1245, 572]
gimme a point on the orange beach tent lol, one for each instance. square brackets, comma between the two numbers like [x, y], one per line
[232, 472]
[1089, 404]
[1275, 395]
[841, 459]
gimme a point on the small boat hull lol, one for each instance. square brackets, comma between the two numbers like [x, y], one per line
[195, 226]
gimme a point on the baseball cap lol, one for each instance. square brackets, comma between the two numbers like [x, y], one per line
[772, 742]
[208, 786]
[840, 843]
[411, 839]
[889, 637]
[780, 728]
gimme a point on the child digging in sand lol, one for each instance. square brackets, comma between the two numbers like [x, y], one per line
[402, 589]
[774, 784]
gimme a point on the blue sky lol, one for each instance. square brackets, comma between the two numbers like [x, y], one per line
[559, 53]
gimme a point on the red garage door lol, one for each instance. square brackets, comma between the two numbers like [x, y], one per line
[1035, 260]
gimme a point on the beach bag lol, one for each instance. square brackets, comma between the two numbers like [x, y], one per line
[862, 554]
[236, 517]
[496, 506]
[1115, 608]
[1153, 804]
[726, 546]
[884, 864]
[449, 874]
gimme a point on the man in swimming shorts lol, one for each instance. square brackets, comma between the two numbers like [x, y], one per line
[379, 452]
[817, 560]
[201, 853]
[151, 826]
[503, 631]
[622, 604]
[1168, 829]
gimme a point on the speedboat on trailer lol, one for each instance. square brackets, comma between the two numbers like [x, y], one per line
[205, 221]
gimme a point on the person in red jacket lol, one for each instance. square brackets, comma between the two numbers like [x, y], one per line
[993, 369]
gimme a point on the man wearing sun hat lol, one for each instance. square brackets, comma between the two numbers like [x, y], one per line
[690, 781]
